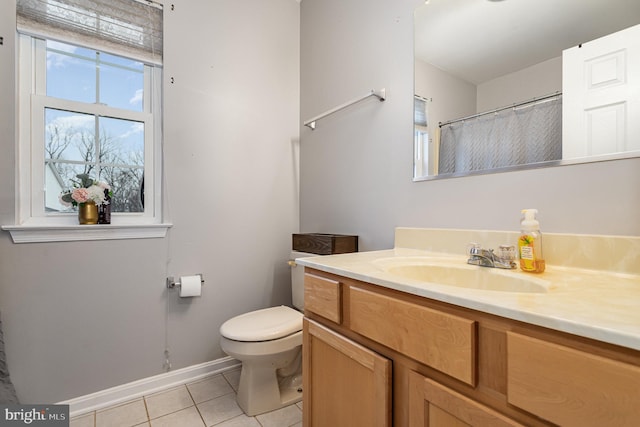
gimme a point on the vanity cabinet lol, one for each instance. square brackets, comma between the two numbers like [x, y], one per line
[374, 356]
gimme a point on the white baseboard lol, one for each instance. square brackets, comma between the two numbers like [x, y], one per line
[122, 393]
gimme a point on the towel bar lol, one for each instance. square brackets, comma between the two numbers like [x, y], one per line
[380, 94]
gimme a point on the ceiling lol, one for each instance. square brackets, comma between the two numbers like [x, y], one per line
[479, 40]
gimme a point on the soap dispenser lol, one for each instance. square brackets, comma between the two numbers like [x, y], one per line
[530, 243]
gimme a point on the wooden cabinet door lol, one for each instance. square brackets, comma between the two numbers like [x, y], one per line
[345, 384]
[434, 405]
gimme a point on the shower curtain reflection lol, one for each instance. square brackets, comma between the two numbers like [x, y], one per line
[509, 137]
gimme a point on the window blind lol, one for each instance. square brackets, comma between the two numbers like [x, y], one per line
[131, 28]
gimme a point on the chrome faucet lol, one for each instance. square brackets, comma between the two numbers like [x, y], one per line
[487, 258]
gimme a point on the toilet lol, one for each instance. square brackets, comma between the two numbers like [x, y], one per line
[268, 342]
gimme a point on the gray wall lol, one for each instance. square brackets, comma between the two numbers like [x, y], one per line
[450, 97]
[356, 166]
[80, 317]
[538, 80]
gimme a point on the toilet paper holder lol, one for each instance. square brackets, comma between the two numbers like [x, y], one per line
[171, 283]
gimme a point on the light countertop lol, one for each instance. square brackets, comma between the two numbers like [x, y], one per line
[600, 304]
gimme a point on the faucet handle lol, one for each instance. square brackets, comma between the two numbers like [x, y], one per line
[473, 248]
[507, 252]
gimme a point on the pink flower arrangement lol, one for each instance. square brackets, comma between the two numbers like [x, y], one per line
[87, 190]
[80, 195]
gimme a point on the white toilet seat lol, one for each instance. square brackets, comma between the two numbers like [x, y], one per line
[263, 325]
[249, 349]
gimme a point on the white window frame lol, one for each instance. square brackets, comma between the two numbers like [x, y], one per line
[33, 224]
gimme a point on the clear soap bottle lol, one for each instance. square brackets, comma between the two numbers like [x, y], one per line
[530, 243]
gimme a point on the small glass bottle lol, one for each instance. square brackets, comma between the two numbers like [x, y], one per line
[104, 210]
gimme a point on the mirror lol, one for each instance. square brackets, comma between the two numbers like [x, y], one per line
[474, 57]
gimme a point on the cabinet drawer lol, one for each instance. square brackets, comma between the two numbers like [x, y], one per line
[322, 297]
[571, 387]
[440, 340]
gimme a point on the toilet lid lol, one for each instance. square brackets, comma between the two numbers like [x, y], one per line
[263, 325]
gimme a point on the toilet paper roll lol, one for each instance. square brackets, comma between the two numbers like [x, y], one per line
[190, 286]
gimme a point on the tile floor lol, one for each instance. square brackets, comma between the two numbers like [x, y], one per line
[204, 403]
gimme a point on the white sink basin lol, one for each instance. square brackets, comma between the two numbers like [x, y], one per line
[464, 275]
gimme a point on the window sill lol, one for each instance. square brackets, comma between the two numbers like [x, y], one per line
[69, 233]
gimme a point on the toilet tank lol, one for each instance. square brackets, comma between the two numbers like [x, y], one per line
[297, 280]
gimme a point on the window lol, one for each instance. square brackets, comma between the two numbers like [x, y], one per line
[90, 108]
[95, 121]
[420, 137]
[90, 112]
